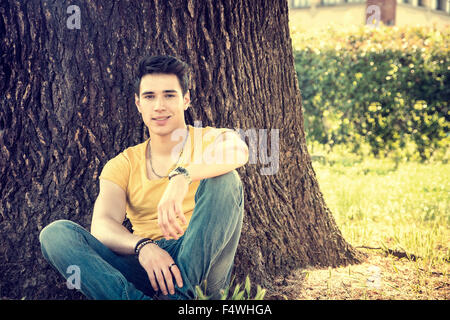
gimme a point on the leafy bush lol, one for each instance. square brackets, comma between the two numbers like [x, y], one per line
[387, 87]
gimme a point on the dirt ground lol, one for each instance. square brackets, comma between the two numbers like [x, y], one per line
[380, 277]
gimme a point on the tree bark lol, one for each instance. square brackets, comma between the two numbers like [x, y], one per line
[67, 107]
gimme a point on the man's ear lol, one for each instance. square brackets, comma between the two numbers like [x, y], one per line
[137, 102]
[187, 100]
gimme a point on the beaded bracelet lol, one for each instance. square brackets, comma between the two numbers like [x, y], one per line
[141, 243]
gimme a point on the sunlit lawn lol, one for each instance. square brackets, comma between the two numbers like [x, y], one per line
[376, 204]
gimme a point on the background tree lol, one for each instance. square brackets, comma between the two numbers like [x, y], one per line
[67, 107]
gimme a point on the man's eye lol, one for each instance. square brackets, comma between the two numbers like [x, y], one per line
[149, 97]
[170, 96]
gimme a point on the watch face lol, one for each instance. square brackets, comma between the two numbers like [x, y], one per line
[178, 170]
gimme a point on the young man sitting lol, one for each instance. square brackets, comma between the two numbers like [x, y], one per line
[181, 193]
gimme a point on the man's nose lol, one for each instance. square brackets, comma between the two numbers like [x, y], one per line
[159, 105]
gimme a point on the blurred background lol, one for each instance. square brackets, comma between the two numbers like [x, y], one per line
[374, 75]
[315, 14]
[374, 79]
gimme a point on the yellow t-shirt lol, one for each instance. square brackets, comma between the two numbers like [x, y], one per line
[128, 171]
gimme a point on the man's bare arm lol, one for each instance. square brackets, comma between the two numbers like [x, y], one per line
[107, 219]
[232, 153]
[109, 213]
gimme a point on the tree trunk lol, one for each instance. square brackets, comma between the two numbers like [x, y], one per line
[67, 106]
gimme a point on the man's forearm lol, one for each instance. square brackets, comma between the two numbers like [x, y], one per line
[203, 171]
[114, 235]
[234, 155]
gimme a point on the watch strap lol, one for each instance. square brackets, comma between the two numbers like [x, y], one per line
[182, 171]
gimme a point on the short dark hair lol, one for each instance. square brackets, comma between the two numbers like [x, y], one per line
[166, 65]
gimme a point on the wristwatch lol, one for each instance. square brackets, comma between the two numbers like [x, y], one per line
[180, 170]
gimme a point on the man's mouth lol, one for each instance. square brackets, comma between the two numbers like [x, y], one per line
[161, 118]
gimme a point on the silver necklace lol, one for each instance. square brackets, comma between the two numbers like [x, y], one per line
[150, 155]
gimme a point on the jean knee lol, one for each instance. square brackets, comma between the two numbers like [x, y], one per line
[54, 231]
[229, 181]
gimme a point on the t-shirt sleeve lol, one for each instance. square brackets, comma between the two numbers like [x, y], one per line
[211, 153]
[214, 134]
[117, 170]
[221, 131]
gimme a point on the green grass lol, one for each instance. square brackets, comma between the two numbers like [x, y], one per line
[234, 292]
[387, 204]
[382, 203]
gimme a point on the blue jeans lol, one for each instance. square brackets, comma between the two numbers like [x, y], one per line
[205, 251]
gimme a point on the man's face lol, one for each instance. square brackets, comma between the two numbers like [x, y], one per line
[161, 103]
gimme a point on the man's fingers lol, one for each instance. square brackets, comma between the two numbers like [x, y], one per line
[161, 282]
[151, 276]
[167, 222]
[177, 275]
[173, 214]
[168, 276]
[171, 223]
[180, 214]
[173, 220]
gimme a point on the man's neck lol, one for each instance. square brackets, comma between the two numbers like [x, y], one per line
[162, 146]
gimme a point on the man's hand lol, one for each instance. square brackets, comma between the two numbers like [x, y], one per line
[170, 207]
[160, 268]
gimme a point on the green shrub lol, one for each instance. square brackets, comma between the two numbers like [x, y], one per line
[387, 87]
